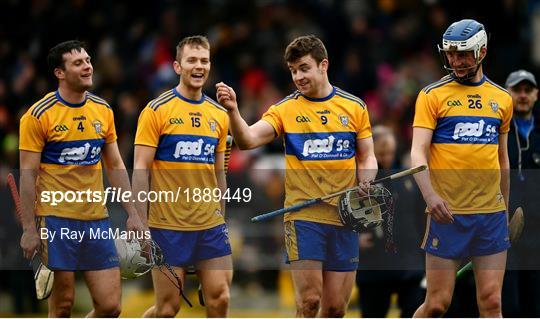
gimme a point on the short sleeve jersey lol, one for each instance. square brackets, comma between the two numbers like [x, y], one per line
[70, 138]
[463, 159]
[320, 138]
[187, 134]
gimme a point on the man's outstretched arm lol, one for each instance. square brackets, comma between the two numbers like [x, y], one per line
[245, 136]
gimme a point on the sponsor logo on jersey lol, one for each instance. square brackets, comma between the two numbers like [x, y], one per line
[82, 152]
[176, 120]
[302, 119]
[467, 130]
[195, 114]
[61, 128]
[474, 96]
[473, 129]
[195, 148]
[186, 148]
[321, 146]
[78, 154]
[323, 112]
[80, 118]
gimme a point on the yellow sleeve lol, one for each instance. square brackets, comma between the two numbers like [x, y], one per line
[222, 143]
[364, 128]
[32, 135]
[507, 117]
[425, 114]
[273, 117]
[148, 131]
[111, 133]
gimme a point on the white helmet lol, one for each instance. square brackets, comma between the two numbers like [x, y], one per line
[137, 257]
[464, 35]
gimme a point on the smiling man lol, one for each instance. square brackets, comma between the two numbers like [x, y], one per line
[63, 139]
[328, 148]
[460, 131]
[180, 141]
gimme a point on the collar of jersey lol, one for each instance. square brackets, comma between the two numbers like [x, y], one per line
[183, 98]
[469, 83]
[321, 99]
[66, 103]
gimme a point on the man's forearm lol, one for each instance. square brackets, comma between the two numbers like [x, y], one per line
[239, 129]
[222, 184]
[505, 183]
[118, 177]
[367, 169]
[28, 198]
[140, 185]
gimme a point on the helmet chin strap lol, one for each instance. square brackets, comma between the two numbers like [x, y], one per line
[469, 75]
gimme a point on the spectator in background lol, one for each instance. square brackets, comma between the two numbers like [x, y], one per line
[380, 273]
[521, 288]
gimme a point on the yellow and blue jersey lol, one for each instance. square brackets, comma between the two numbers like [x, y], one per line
[463, 159]
[319, 137]
[70, 138]
[187, 134]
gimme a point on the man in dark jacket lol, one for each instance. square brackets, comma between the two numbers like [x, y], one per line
[521, 288]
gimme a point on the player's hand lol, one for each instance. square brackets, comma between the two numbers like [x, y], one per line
[363, 189]
[439, 209]
[30, 243]
[134, 223]
[365, 240]
[226, 96]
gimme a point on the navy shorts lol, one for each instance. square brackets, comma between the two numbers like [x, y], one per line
[469, 235]
[336, 246]
[77, 244]
[186, 248]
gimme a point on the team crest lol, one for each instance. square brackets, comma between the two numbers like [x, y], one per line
[494, 106]
[213, 125]
[344, 119]
[97, 126]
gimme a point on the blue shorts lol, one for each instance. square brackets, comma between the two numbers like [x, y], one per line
[186, 248]
[336, 246]
[75, 245]
[469, 235]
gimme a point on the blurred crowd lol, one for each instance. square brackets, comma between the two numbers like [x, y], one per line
[383, 51]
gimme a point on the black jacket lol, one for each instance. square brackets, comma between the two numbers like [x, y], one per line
[530, 157]
[525, 192]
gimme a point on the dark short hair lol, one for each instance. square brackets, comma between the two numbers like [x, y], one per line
[55, 59]
[304, 45]
[194, 41]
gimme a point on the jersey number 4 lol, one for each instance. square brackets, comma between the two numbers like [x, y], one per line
[80, 127]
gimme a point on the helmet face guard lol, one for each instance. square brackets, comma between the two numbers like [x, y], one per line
[137, 257]
[361, 212]
[462, 36]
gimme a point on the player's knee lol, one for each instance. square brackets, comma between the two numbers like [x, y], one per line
[168, 310]
[310, 305]
[62, 310]
[63, 307]
[335, 312]
[437, 307]
[108, 308]
[219, 301]
[490, 302]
